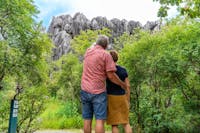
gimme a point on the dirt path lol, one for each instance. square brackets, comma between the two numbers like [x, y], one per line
[64, 131]
[60, 131]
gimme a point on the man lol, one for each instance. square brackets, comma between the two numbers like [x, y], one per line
[97, 66]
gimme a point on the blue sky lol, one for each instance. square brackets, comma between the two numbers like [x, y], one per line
[138, 10]
[50, 8]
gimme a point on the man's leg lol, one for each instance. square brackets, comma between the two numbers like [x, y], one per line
[87, 111]
[99, 127]
[100, 111]
[115, 129]
[87, 126]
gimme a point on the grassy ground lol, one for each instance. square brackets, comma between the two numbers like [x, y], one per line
[60, 116]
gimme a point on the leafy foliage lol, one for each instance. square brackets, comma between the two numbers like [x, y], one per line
[190, 8]
[60, 115]
[32, 103]
[23, 47]
[24, 51]
[70, 77]
[164, 73]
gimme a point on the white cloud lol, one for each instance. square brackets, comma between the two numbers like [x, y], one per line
[138, 10]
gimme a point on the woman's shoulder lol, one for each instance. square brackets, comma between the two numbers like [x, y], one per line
[121, 67]
[122, 71]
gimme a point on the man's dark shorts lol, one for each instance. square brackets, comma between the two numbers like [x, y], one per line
[94, 104]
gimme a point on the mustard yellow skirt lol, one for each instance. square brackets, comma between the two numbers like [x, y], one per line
[118, 110]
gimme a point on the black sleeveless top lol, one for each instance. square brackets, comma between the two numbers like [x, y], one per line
[112, 88]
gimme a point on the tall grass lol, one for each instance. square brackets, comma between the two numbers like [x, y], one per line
[63, 115]
[60, 115]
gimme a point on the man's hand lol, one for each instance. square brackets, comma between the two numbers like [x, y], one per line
[128, 90]
[123, 86]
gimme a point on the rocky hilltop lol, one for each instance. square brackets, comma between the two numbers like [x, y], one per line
[63, 28]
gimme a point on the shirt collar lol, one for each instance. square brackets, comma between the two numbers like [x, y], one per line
[98, 46]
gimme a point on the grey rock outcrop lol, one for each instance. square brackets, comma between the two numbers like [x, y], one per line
[63, 28]
[62, 44]
[118, 28]
[152, 25]
[80, 22]
[98, 23]
[132, 25]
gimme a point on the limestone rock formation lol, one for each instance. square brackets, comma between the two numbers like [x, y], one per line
[63, 28]
[152, 25]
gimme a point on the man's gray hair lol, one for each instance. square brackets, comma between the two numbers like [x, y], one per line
[103, 41]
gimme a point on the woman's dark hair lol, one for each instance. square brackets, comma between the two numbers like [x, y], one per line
[114, 55]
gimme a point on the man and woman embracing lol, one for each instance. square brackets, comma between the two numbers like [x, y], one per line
[105, 89]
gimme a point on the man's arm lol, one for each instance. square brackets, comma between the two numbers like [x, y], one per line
[128, 89]
[115, 79]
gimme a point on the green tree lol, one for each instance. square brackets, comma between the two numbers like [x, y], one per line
[70, 77]
[23, 46]
[31, 104]
[123, 40]
[24, 51]
[190, 8]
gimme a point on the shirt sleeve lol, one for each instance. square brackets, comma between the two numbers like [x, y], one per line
[125, 74]
[109, 63]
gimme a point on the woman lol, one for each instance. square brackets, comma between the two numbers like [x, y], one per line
[118, 100]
